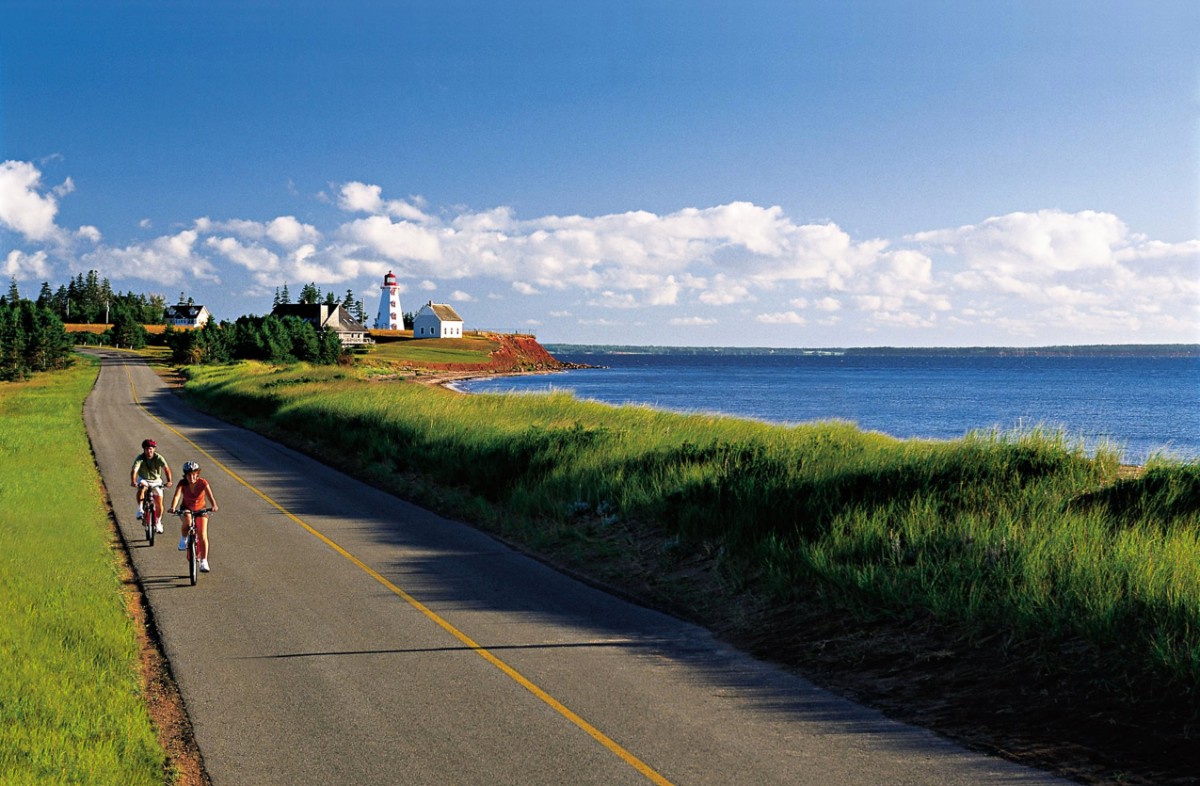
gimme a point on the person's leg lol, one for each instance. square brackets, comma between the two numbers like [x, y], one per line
[202, 537]
[183, 530]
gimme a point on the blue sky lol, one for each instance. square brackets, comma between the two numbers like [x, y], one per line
[640, 172]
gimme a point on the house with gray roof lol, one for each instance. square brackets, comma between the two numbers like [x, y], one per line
[437, 320]
[322, 316]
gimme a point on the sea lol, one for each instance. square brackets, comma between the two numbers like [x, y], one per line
[1142, 404]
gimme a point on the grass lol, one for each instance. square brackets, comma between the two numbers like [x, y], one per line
[71, 708]
[1023, 533]
[466, 350]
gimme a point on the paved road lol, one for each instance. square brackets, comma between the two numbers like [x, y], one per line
[346, 637]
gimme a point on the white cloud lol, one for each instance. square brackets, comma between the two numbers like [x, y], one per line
[23, 208]
[169, 259]
[462, 297]
[1023, 273]
[401, 242]
[1040, 244]
[25, 267]
[287, 231]
[781, 318]
[358, 197]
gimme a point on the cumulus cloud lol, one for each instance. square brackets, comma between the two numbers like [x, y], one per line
[1040, 271]
[781, 318]
[24, 208]
[25, 267]
[169, 259]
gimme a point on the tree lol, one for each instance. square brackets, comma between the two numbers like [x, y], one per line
[310, 293]
[14, 294]
[45, 297]
[285, 298]
[32, 339]
[126, 330]
[331, 299]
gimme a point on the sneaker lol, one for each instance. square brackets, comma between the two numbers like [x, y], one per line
[158, 527]
[204, 566]
[183, 543]
[139, 514]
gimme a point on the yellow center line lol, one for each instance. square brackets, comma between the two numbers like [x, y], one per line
[440, 621]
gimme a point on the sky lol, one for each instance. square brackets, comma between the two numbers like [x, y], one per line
[648, 172]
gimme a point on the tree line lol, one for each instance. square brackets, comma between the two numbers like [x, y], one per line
[273, 339]
[33, 336]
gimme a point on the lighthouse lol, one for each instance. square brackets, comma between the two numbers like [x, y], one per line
[390, 317]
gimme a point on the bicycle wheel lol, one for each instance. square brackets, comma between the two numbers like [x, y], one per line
[193, 560]
[148, 516]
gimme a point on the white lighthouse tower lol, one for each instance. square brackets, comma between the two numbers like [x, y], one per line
[390, 317]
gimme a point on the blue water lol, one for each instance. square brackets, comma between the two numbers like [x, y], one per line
[1140, 405]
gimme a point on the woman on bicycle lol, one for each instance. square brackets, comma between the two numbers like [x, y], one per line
[190, 496]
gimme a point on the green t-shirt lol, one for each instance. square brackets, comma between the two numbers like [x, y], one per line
[153, 468]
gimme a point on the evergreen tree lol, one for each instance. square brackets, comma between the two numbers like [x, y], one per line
[45, 296]
[330, 350]
[14, 294]
[285, 297]
[331, 299]
[310, 294]
[127, 331]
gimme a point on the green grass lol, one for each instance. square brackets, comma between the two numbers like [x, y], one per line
[1022, 533]
[467, 350]
[71, 708]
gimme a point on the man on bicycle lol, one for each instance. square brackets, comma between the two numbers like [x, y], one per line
[191, 496]
[150, 470]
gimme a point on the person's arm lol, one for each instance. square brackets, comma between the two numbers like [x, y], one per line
[167, 469]
[212, 501]
[175, 497]
[133, 472]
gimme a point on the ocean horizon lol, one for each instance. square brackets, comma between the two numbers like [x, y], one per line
[1142, 400]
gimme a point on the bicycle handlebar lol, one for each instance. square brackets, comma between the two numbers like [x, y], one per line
[201, 512]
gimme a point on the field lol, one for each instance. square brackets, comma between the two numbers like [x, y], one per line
[973, 553]
[71, 703]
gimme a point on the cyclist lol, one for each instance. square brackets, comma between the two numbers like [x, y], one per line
[150, 469]
[192, 492]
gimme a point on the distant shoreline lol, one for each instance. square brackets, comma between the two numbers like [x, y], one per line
[1084, 350]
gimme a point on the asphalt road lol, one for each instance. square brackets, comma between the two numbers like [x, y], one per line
[347, 637]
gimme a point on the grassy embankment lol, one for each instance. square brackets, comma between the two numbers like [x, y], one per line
[71, 709]
[1020, 534]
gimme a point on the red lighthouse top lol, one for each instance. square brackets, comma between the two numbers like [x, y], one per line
[389, 280]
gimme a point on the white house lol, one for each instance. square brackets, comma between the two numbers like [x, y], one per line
[186, 315]
[437, 320]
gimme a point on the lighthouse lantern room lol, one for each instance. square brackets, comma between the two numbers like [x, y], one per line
[390, 317]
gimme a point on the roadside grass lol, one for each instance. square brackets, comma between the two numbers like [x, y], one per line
[1023, 533]
[71, 707]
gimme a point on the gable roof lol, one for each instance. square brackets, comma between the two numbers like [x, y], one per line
[183, 311]
[323, 316]
[443, 312]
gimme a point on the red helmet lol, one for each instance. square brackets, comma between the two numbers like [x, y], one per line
[149, 443]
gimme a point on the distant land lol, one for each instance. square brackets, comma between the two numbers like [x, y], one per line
[1083, 350]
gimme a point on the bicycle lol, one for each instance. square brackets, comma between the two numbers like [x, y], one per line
[192, 557]
[150, 519]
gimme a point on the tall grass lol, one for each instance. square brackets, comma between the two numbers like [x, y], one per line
[70, 704]
[1024, 532]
